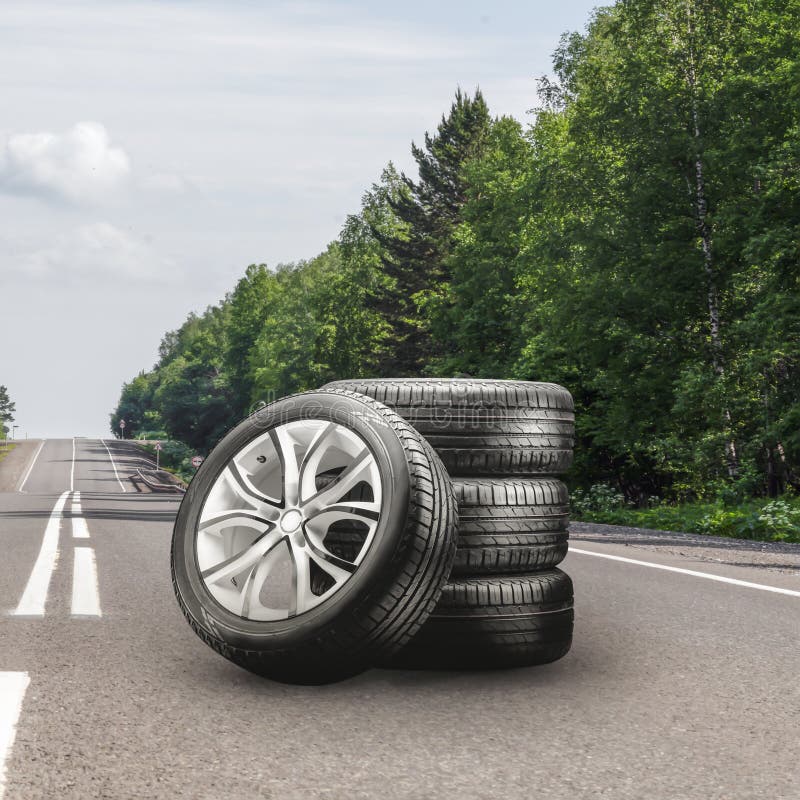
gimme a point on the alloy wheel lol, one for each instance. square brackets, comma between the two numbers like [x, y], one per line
[262, 541]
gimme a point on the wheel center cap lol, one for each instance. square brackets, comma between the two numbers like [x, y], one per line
[291, 520]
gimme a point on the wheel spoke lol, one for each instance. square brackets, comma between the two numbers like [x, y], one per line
[248, 557]
[361, 510]
[285, 448]
[256, 580]
[237, 517]
[244, 489]
[313, 455]
[338, 568]
[343, 483]
[301, 598]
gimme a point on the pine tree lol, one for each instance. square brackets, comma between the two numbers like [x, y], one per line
[428, 209]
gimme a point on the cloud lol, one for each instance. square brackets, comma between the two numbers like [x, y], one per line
[78, 165]
[97, 252]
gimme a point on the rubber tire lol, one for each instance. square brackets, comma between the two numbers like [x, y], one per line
[494, 623]
[510, 525]
[504, 526]
[391, 593]
[483, 427]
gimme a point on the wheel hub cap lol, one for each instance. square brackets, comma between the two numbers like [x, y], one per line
[291, 520]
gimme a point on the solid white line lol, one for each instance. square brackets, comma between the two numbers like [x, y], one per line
[113, 464]
[85, 591]
[35, 595]
[12, 693]
[692, 572]
[30, 468]
[72, 472]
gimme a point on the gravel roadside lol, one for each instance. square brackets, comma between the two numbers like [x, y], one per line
[772, 556]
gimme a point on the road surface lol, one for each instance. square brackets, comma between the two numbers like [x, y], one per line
[677, 686]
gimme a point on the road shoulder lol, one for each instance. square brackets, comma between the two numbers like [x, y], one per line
[765, 556]
[16, 463]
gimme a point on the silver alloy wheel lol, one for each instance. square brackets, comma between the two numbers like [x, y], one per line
[261, 539]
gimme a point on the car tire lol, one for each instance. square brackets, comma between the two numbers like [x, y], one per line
[510, 525]
[494, 623]
[319, 617]
[483, 427]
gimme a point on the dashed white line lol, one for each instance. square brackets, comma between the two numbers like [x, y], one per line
[30, 467]
[12, 692]
[79, 528]
[35, 595]
[694, 573]
[85, 590]
[111, 458]
[72, 471]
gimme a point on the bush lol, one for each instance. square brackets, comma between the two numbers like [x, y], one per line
[175, 457]
[600, 498]
[777, 520]
[774, 520]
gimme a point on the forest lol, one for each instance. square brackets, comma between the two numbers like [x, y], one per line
[637, 240]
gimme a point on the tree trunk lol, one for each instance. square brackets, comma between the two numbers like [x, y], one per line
[704, 231]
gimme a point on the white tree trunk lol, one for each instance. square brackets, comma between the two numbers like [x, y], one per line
[704, 231]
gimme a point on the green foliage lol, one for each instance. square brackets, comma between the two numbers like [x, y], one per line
[638, 243]
[598, 498]
[416, 252]
[767, 520]
[7, 409]
[174, 457]
[249, 305]
[135, 404]
[152, 435]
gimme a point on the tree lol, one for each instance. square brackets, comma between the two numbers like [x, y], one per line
[428, 210]
[250, 304]
[7, 410]
[136, 401]
[475, 318]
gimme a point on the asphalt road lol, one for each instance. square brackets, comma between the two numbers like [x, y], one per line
[677, 686]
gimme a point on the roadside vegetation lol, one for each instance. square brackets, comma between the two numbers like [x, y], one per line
[175, 456]
[6, 448]
[637, 243]
[7, 409]
[768, 519]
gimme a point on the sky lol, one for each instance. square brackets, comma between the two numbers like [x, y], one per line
[150, 151]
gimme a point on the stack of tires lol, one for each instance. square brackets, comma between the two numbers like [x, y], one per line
[412, 523]
[503, 444]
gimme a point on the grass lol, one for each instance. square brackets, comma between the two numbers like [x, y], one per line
[4, 451]
[775, 520]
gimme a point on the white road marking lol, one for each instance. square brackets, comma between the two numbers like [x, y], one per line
[12, 693]
[79, 528]
[72, 471]
[113, 465]
[694, 573]
[30, 467]
[35, 595]
[85, 591]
